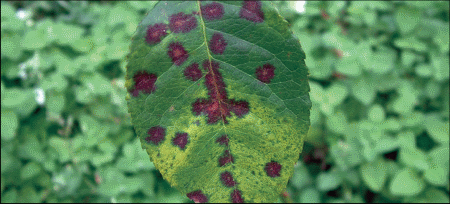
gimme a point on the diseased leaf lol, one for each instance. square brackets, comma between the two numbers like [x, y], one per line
[218, 95]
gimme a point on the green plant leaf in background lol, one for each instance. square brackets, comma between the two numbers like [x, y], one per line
[218, 94]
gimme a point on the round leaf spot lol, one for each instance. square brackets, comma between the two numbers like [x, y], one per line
[177, 53]
[227, 179]
[251, 10]
[226, 158]
[192, 72]
[217, 43]
[273, 169]
[197, 196]
[157, 135]
[180, 140]
[181, 22]
[223, 140]
[265, 73]
[236, 196]
[212, 11]
[144, 82]
[155, 33]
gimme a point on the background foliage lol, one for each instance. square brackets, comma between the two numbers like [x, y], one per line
[379, 85]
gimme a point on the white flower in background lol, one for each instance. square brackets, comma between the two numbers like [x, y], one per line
[300, 6]
[22, 72]
[22, 14]
[25, 16]
[39, 96]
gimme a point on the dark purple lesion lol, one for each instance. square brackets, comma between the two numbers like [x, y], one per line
[181, 22]
[192, 72]
[227, 179]
[197, 196]
[156, 134]
[273, 169]
[223, 140]
[251, 10]
[217, 44]
[177, 53]
[226, 158]
[265, 73]
[180, 140]
[212, 11]
[236, 196]
[217, 106]
[143, 82]
[155, 33]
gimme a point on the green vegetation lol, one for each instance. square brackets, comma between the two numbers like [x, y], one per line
[379, 77]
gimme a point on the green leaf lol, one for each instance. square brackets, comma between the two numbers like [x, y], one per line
[34, 39]
[301, 176]
[406, 183]
[408, 58]
[434, 195]
[337, 123]
[11, 46]
[437, 129]
[327, 181]
[21, 101]
[414, 157]
[218, 95]
[309, 195]
[376, 113]
[135, 159]
[30, 170]
[411, 43]
[62, 146]
[441, 65]
[9, 196]
[349, 66]
[407, 18]
[55, 102]
[382, 61]
[10, 123]
[363, 90]
[66, 34]
[374, 174]
[437, 173]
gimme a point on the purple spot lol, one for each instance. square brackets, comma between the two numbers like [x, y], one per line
[144, 82]
[227, 179]
[217, 43]
[177, 53]
[192, 72]
[181, 22]
[239, 108]
[155, 33]
[157, 135]
[180, 139]
[197, 196]
[251, 10]
[218, 106]
[226, 158]
[265, 73]
[236, 196]
[212, 11]
[273, 169]
[223, 140]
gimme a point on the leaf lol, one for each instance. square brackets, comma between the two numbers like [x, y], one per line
[407, 18]
[374, 174]
[10, 123]
[218, 95]
[327, 181]
[406, 183]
